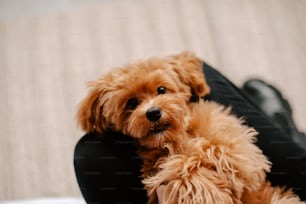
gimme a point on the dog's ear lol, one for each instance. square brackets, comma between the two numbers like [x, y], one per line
[90, 114]
[190, 71]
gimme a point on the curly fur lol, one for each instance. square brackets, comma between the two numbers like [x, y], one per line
[199, 152]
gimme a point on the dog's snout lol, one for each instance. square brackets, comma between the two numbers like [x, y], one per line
[153, 114]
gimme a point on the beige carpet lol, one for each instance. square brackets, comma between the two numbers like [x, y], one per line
[46, 60]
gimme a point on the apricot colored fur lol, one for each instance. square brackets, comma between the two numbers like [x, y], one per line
[200, 152]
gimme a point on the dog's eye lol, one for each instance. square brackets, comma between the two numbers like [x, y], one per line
[132, 104]
[161, 90]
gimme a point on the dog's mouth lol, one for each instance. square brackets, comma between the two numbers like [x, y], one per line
[159, 127]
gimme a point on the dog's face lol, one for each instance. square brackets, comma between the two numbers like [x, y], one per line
[147, 100]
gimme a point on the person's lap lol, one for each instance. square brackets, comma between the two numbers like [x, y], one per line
[289, 160]
[107, 168]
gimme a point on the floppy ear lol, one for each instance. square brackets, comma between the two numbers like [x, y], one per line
[90, 114]
[190, 71]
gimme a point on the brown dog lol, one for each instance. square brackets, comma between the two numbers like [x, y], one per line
[198, 152]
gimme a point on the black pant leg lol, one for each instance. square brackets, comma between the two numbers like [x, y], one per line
[108, 169]
[289, 160]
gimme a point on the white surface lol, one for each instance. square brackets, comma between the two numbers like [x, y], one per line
[18, 8]
[47, 201]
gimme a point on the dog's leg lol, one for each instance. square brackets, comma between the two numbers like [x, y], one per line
[186, 181]
[268, 194]
[215, 163]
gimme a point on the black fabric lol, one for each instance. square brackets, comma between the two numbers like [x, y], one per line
[107, 168]
[289, 160]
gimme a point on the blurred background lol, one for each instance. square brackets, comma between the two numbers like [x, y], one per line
[50, 49]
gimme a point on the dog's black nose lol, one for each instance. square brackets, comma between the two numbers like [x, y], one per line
[153, 114]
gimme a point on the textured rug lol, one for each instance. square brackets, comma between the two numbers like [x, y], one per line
[46, 60]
